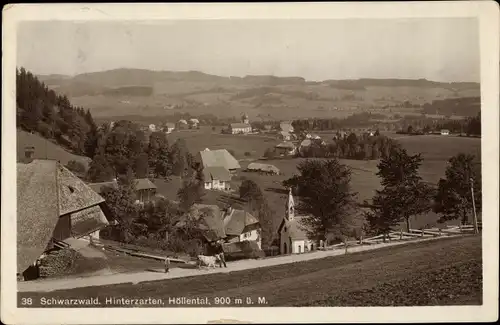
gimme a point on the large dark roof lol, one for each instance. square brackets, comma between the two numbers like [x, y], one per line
[45, 191]
[235, 221]
[218, 158]
[216, 173]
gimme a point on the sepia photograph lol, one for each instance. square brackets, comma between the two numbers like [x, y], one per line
[214, 161]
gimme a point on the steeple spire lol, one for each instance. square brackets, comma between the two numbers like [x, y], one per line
[290, 206]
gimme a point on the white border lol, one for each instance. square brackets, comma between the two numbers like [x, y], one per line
[486, 11]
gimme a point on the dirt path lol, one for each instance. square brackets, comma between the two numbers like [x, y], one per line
[157, 274]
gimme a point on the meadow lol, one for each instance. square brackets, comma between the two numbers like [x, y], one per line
[45, 149]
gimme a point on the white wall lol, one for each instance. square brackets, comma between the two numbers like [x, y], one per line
[251, 235]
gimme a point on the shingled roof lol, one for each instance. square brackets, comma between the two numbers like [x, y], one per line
[218, 158]
[236, 221]
[216, 173]
[144, 184]
[47, 190]
[209, 218]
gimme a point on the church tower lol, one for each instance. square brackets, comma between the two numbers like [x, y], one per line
[245, 119]
[290, 206]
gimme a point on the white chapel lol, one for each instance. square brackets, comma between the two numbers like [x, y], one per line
[292, 233]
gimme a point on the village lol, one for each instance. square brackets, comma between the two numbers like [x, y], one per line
[74, 213]
[194, 169]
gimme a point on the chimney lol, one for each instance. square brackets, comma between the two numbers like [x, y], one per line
[29, 151]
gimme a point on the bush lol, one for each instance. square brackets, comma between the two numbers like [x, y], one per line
[76, 167]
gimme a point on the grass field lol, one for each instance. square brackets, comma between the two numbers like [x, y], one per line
[45, 149]
[444, 272]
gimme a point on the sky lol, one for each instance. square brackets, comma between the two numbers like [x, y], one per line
[440, 49]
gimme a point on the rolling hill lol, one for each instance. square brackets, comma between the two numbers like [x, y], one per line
[126, 92]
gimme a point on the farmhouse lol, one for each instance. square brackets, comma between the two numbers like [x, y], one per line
[265, 168]
[169, 127]
[145, 190]
[182, 124]
[293, 234]
[193, 123]
[285, 136]
[445, 132]
[240, 225]
[218, 158]
[240, 128]
[53, 206]
[286, 126]
[152, 127]
[286, 149]
[217, 178]
[229, 226]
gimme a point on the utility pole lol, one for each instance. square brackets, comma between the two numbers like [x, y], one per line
[473, 205]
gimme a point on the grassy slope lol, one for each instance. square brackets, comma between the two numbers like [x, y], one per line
[45, 149]
[444, 272]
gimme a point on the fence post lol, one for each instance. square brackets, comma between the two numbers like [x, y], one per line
[345, 243]
[401, 234]
[422, 232]
[440, 232]
[460, 227]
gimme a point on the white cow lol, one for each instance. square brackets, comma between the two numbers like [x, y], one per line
[208, 261]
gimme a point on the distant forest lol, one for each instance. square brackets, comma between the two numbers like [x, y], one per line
[41, 110]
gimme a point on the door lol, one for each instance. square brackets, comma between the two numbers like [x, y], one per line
[284, 249]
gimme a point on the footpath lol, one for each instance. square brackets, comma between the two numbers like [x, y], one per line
[47, 285]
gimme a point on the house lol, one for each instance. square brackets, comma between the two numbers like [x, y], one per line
[293, 233]
[193, 123]
[285, 136]
[152, 127]
[240, 225]
[304, 145]
[286, 126]
[169, 127]
[217, 178]
[264, 168]
[53, 205]
[218, 158]
[240, 128]
[182, 124]
[228, 226]
[145, 190]
[445, 132]
[286, 149]
[268, 127]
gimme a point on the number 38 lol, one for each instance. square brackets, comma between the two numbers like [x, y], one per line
[26, 301]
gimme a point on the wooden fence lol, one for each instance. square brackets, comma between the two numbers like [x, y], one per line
[413, 234]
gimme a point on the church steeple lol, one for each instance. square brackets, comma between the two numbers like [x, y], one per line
[244, 119]
[290, 206]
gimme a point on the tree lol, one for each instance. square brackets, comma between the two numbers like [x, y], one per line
[159, 154]
[100, 170]
[251, 192]
[404, 194]
[121, 204]
[192, 190]
[76, 167]
[453, 199]
[325, 196]
[410, 129]
[258, 205]
[179, 155]
[377, 133]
